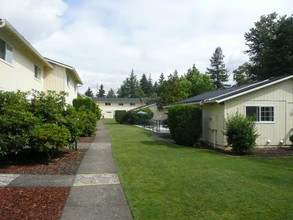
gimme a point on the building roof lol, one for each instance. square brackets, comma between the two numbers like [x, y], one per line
[71, 69]
[8, 30]
[128, 100]
[222, 95]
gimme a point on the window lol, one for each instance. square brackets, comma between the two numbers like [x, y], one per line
[37, 72]
[68, 79]
[261, 113]
[6, 52]
[121, 104]
[108, 103]
[132, 104]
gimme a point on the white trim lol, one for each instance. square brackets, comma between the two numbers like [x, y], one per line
[259, 106]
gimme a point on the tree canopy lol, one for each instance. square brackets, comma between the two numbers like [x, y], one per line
[89, 92]
[270, 44]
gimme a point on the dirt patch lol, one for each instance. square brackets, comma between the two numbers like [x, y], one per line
[86, 139]
[32, 203]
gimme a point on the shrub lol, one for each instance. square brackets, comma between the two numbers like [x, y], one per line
[49, 138]
[119, 116]
[185, 123]
[16, 122]
[291, 139]
[241, 132]
[88, 104]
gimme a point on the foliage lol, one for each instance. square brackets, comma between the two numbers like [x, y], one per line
[217, 71]
[89, 93]
[241, 132]
[48, 106]
[200, 83]
[270, 45]
[111, 94]
[174, 89]
[87, 104]
[49, 138]
[242, 75]
[185, 123]
[24, 122]
[153, 172]
[130, 88]
[16, 122]
[119, 116]
[101, 93]
[149, 113]
[146, 84]
[291, 139]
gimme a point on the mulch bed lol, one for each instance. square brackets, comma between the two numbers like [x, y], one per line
[32, 203]
[38, 202]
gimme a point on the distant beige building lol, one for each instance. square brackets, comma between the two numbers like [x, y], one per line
[23, 68]
[110, 105]
[269, 101]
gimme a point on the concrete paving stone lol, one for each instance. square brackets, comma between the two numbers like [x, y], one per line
[83, 146]
[96, 196]
[97, 213]
[96, 179]
[5, 179]
[42, 181]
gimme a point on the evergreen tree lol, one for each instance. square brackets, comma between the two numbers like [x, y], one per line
[200, 83]
[89, 92]
[144, 84]
[111, 94]
[217, 71]
[130, 88]
[101, 93]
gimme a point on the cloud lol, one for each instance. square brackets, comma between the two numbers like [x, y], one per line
[104, 39]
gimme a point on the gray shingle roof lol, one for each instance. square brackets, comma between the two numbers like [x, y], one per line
[128, 100]
[221, 95]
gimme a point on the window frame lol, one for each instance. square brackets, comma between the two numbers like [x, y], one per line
[37, 74]
[120, 104]
[260, 112]
[8, 53]
[107, 103]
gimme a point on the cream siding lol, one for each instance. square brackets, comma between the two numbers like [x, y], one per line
[109, 111]
[280, 96]
[20, 75]
[213, 124]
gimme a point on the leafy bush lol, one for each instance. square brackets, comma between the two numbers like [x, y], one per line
[291, 139]
[185, 123]
[88, 104]
[241, 132]
[49, 138]
[119, 116]
[16, 122]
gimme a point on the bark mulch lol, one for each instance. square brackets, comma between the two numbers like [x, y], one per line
[38, 202]
[32, 203]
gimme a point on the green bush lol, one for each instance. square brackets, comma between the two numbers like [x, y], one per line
[119, 116]
[291, 139]
[88, 104]
[49, 138]
[241, 132]
[185, 123]
[16, 122]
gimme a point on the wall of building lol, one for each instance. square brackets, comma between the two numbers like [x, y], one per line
[20, 74]
[280, 96]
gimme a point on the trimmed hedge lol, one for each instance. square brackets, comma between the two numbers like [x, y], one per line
[185, 123]
[119, 116]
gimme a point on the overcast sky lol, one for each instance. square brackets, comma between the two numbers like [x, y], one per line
[105, 39]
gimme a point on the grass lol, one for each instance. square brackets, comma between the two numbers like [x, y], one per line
[163, 181]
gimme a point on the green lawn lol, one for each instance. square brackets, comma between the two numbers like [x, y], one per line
[164, 181]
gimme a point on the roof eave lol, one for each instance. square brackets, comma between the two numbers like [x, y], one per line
[25, 42]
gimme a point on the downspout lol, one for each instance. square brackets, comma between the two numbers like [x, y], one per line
[2, 24]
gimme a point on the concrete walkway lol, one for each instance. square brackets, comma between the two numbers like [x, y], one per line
[95, 192]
